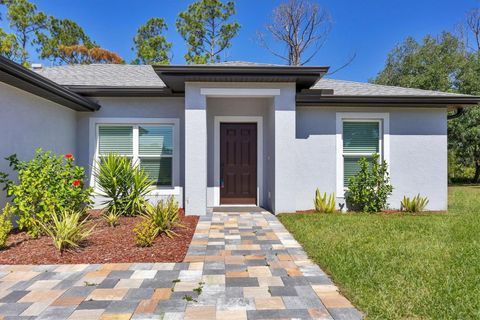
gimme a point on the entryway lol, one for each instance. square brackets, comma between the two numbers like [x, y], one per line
[238, 163]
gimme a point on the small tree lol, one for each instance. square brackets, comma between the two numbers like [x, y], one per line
[205, 28]
[150, 44]
[369, 189]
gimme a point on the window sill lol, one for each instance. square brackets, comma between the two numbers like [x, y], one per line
[165, 191]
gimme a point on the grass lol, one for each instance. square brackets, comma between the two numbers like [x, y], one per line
[401, 266]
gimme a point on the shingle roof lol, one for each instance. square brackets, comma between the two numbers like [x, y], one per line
[108, 75]
[351, 88]
[115, 75]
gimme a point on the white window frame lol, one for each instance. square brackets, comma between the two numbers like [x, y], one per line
[384, 140]
[95, 123]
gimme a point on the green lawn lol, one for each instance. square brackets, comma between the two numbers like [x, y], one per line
[423, 266]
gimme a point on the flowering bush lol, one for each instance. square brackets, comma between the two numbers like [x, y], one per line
[48, 183]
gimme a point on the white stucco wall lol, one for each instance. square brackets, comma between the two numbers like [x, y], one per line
[134, 108]
[28, 122]
[418, 153]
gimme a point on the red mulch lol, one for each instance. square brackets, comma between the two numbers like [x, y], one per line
[105, 245]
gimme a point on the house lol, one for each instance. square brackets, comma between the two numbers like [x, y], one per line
[231, 133]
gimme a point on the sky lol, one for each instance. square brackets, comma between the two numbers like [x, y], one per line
[368, 29]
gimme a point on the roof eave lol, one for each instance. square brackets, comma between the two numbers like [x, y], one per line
[117, 91]
[25, 79]
[175, 76]
[417, 101]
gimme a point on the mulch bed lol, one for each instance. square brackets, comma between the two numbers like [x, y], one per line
[105, 245]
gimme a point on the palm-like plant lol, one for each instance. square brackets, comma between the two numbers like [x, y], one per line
[67, 229]
[322, 204]
[124, 184]
[416, 204]
[164, 216]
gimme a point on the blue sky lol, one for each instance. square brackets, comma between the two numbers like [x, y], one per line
[369, 28]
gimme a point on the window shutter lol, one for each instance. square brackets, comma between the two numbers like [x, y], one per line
[116, 139]
[159, 170]
[155, 140]
[360, 137]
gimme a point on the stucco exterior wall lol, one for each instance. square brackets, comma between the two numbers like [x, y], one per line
[418, 153]
[137, 107]
[28, 122]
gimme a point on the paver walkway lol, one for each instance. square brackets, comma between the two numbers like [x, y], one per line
[239, 266]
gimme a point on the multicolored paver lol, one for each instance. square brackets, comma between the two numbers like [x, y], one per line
[240, 265]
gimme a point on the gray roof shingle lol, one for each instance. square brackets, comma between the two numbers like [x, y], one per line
[351, 88]
[115, 75]
[107, 75]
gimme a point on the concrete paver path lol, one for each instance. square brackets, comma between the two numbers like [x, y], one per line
[240, 265]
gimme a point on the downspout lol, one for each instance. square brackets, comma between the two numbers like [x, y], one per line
[458, 113]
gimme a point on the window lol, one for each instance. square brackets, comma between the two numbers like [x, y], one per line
[150, 146]
[361, 138]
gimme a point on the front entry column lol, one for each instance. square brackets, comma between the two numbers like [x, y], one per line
[285, 169]
[195, 151]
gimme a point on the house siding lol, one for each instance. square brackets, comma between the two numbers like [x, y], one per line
[418, 153]
[28, 122]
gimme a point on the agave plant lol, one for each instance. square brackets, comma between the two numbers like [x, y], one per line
[324, 204]
[164, 216]
[416, 204]
[67, 229]
[111, 217]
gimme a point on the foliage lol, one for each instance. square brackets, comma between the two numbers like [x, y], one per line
[164, 216]
[26, 22]
[301, 26]
[68, 229]
[205, 28]
[369, 189]
[81, 54]
[123, 183]
[47, 183]
[145, 233]
[9, 46]
[322, 204]
[61, 33]
[5, 225]
[111, 217]
[416, 204]
[150, 44]
[401, 266]
[432, 64]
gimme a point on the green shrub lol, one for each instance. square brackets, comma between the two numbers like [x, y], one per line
[5, 225]
[111, 217]
[416, 204]
[68, 229]
[164, 216]
[124, 184]
[369, 189]
[322, 204]
[145, 233]
[47, 183]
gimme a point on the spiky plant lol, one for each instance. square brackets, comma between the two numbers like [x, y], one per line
[416, 204]
[324, 204]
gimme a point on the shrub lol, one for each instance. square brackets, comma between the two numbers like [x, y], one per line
[68, 229]
[164, 216]
[145, 233]
[47, 183]
[5, 225]
[417, 204]
[124, 184]
[369, 189]
[111, 217]
[322, 204]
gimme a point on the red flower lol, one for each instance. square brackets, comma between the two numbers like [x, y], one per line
[69, 156]
[76, 183]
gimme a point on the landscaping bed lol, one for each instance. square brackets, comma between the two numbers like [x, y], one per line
[105, 245]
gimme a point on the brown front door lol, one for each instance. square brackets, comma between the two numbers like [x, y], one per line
[238, 163]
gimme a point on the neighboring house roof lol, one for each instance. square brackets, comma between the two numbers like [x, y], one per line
[18, 76]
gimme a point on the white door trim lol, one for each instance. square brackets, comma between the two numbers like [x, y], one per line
[216, 154]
